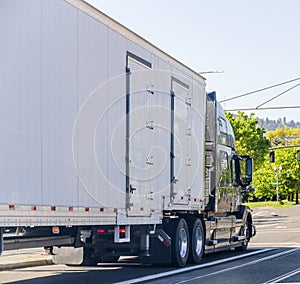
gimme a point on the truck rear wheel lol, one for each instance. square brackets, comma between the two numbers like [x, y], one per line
[179, 233]
[197, 241]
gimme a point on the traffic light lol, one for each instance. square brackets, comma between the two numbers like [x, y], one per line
[298, 155]
[272, 157]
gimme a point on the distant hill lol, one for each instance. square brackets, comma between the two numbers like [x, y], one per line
[269, 124]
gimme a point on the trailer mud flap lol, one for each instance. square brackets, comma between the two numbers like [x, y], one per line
[160, 249]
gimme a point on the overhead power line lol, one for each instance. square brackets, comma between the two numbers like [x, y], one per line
[275, 97]
[259, 90]
[211, 71]
[262, 108]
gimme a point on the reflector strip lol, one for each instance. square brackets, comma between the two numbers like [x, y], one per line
[164, 242]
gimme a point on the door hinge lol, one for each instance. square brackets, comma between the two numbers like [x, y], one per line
[132, 189]
[149, 160]
[150, 89]
[149, 124]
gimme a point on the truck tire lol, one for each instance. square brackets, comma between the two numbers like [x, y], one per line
[246, 231]
[180, 242]
[197, 242]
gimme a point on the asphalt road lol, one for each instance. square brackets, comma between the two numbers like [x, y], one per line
[272, 257]
[277, 227]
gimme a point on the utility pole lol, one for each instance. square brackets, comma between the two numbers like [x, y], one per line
[277, 173]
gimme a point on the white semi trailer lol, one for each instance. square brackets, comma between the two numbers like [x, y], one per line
[109, 146]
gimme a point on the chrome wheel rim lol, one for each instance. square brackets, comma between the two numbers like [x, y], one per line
[198, 241]
[183, 242]
[246, 234]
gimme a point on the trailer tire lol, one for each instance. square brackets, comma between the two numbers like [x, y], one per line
[197, 241]
[180, 242]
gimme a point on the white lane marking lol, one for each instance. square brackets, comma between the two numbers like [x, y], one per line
[190, 268]
[284, 276]
[280, 231]
[267, 225]
[239, 266]
[257, 213]
[281, 245]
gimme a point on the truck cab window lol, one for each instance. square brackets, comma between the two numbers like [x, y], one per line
[222, 133]
[224, 170]
[234, 173]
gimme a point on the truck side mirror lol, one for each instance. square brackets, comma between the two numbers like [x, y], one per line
[249, 169]
[248, 189]
[247, 178]
[298, 155]
[272, 157]
[243, 170]
[246, 170]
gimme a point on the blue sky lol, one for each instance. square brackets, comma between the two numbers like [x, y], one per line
[256, 43]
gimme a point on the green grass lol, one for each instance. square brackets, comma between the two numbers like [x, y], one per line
[274, 204]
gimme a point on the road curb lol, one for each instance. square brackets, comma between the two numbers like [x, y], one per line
[25, 264]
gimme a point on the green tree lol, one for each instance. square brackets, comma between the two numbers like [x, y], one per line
[249, 137]
[284, 136]
[263, 180]
[285, 159]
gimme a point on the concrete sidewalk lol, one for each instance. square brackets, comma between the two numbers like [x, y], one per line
[24, 258]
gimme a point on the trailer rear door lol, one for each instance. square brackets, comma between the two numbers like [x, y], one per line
[139, 133]
[180, 142]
